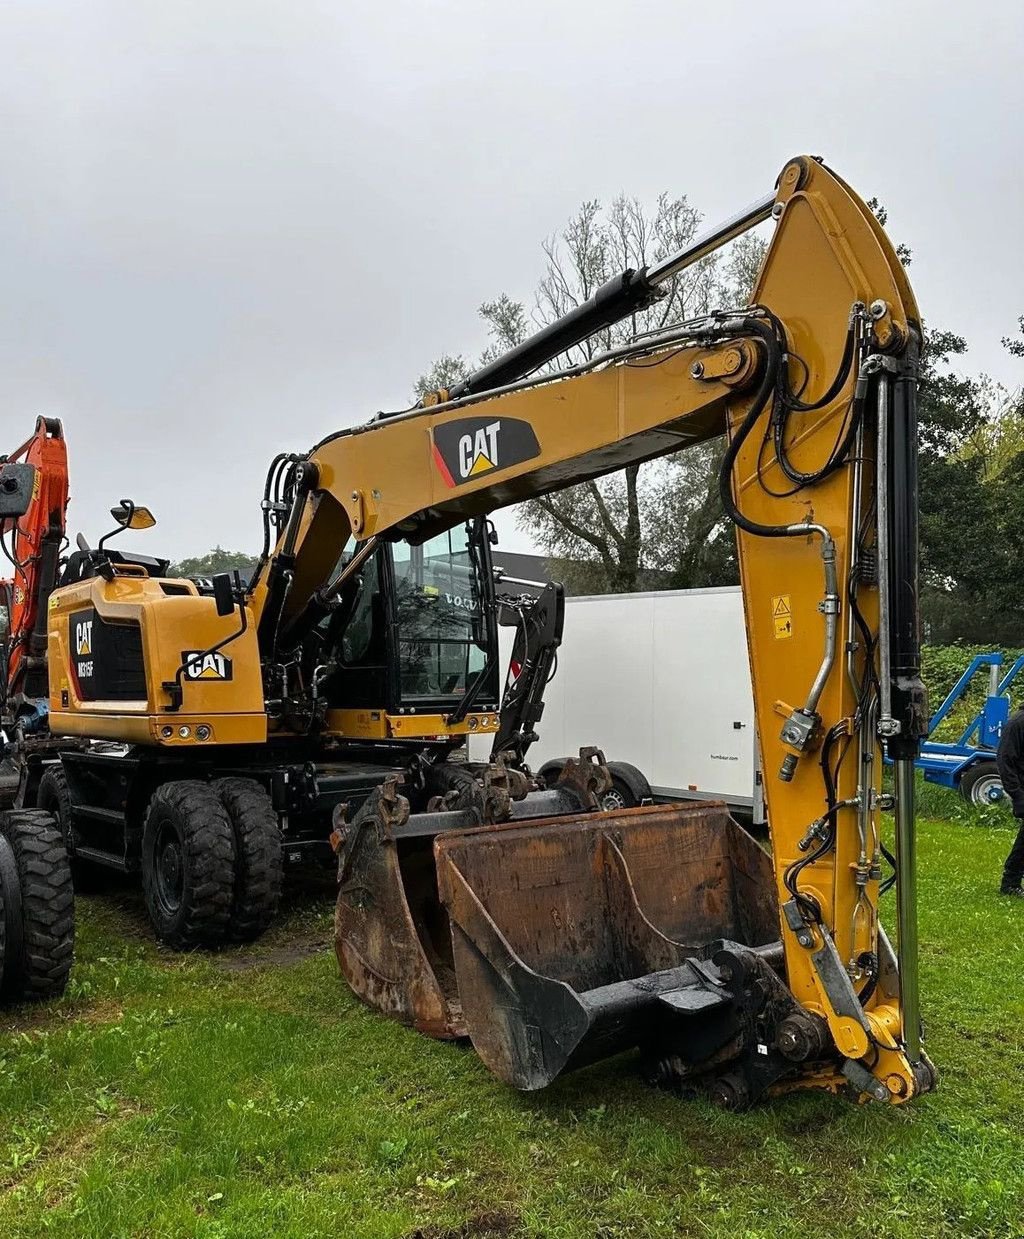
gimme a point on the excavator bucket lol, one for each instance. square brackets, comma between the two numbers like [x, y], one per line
[574, 939]
[558, 940]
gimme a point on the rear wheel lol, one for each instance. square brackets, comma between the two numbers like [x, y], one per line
[188, 865]
[982, 784]
[258, 861]
[39, 906]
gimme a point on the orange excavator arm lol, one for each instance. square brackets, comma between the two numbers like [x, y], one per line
[32, 548]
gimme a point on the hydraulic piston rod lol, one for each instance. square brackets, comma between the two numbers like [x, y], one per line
[620, 296]
[904, 712]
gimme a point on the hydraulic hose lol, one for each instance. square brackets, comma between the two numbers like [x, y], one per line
[802, 722]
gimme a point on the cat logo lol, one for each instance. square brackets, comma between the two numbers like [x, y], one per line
[469, 447]
[204, 665]
[479, 452]
[83, 638]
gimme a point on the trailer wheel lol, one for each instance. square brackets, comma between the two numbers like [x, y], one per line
[629, 787]
[259, 868]
[982, 784]
[618, 796]
[188, 865]
[39, 906]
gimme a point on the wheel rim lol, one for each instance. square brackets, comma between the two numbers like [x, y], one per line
[613, 800]
[168, 869]
[988, 790]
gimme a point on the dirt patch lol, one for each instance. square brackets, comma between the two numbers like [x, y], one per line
[283, 955]
[489, 1225]
[31, 1018]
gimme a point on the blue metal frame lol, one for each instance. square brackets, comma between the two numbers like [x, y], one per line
[946, 762]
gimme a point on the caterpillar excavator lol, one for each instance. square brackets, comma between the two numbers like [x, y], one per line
[210, 728]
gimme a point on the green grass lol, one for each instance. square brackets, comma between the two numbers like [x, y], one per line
[170, 1096]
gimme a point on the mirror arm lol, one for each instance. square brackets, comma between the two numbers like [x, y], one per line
[129, 508]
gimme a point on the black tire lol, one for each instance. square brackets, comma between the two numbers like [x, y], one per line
[982, 784]
[619, 795]
[40, 947]
[188, 865]
[54, 797]
[259, 867]
[457, 784]
[3, 933]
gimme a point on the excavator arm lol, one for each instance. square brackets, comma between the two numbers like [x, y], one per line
[33, 550]
[814, 385]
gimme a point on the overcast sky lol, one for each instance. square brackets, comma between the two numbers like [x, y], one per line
[228, 227]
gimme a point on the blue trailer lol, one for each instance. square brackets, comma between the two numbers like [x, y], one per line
[968, 765]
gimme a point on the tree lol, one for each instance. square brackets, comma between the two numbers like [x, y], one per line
[664, 517]
[217, 560]
[1014, 346]
[444, 373]
[972, 503]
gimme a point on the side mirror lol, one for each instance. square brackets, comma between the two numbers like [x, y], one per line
[223, 593]
[17, 482]
[130, 516]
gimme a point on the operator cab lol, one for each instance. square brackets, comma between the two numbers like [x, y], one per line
[415, 629]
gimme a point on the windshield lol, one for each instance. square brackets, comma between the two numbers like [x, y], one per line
[438, 616]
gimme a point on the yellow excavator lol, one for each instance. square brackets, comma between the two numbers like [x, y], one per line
[209, 728]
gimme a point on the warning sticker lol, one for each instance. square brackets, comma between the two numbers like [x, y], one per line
[782, 617]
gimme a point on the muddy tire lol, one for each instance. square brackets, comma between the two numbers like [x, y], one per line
[39, 906]
[188, 865]
[259, 867]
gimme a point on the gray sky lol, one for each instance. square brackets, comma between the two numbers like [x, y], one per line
[230, 226]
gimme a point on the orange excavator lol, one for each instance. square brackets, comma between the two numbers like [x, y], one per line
[32, 550]
[36, 898]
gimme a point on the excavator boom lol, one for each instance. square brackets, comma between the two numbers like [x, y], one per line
[35, 543]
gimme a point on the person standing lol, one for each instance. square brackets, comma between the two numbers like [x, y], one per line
[1010, 760]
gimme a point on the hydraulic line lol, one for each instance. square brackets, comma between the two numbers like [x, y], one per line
[802, 722]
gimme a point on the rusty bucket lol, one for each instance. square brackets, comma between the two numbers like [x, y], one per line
[557, 940]
[573, 939]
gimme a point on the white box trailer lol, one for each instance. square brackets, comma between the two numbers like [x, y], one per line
[660, 680]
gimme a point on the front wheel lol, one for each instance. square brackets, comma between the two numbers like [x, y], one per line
[982, 785]
[188, 865]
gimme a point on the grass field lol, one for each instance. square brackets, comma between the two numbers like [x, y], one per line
[248, 1094]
